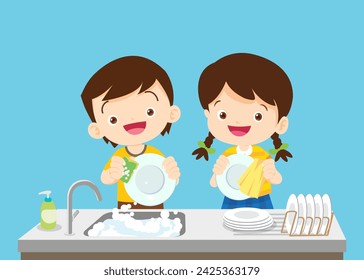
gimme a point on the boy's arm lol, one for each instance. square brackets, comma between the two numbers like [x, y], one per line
[113, 171]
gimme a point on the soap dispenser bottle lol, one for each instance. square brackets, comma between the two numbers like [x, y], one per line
[48, 215]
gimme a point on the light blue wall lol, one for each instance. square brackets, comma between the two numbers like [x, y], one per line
[49, 51]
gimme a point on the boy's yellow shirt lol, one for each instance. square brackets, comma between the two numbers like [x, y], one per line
[122, 195]
[257, 153]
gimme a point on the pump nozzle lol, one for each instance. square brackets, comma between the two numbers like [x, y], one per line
[47, 193]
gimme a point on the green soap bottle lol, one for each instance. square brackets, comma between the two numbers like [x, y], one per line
[48, 216]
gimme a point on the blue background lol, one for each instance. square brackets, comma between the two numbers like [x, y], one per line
[49, 51]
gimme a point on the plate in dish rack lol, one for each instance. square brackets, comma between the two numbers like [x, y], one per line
[292, 205]
[319, 209]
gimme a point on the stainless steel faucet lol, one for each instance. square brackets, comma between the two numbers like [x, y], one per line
[71, 216]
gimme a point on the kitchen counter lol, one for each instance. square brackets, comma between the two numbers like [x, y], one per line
[205, 238]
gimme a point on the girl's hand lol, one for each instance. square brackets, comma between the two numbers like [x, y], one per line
[171, 167]
[270, 173]
[221, 163]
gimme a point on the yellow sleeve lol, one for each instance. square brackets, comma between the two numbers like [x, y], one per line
[259, 152]
[152, 150]
[230, 151]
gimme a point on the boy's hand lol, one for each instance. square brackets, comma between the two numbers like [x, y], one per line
[171, 167]
[221, 163]
[116, 169]
[270, 173]
[115, 172]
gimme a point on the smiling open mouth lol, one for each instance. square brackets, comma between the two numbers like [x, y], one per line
[135, 128]
[239, 130]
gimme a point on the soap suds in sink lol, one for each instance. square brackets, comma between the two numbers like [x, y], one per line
[124, 224]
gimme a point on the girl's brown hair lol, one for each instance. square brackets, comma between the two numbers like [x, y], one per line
[123, 76]
[246, 74]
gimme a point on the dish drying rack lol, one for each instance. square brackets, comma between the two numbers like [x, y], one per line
[307, 226]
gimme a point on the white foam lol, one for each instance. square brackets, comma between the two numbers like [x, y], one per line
[125, 207]
[124, 224]
[164, 214]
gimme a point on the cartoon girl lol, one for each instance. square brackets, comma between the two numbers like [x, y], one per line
[246, 100]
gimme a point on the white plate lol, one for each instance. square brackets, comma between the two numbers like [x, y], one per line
[310, 214]
[302, 208]
[257, 225]
[292, 205]
[327, 205]
[301, 213]
[310, 203]
[246, 215]
[326, 213]
[318, 214]
[248, 223]
[228, 180]
[150, 184]
[249, 228]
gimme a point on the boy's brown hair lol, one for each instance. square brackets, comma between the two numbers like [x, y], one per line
[123, 76]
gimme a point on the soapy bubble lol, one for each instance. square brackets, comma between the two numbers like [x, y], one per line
[164, 214]
[99, 226]
[177, 221]
[152, 226]
[177, 228]
[125, 207]
[124, 224]
[166, 223]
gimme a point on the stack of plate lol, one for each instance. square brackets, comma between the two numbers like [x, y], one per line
[247, 219]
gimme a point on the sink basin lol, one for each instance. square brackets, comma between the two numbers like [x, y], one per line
[141, 215]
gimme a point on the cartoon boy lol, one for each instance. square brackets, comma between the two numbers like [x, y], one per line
[130, 102]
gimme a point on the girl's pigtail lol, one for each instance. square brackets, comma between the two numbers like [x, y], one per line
[280, 149]
[205, 147]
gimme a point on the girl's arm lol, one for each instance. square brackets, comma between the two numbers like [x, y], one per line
[270, 173]
[219, 167]
[213, 182]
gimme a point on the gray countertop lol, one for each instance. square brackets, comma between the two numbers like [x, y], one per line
[204, 233]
